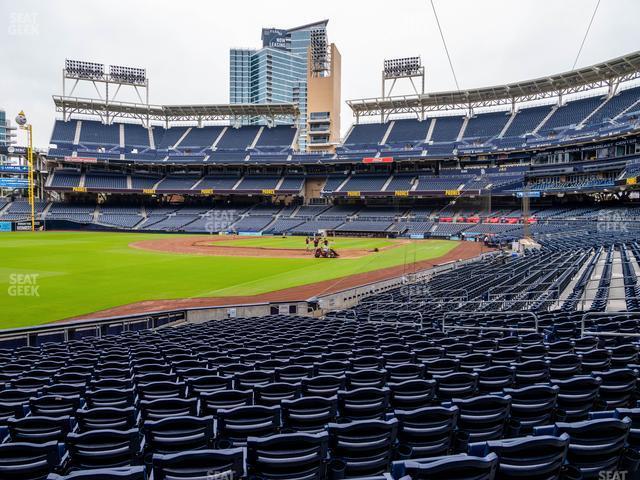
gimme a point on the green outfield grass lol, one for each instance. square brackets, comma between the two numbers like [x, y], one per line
[78, 273]
[339, 243]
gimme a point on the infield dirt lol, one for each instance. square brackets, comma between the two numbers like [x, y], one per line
[463, 251]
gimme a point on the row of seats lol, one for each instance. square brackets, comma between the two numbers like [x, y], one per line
[92, 135]
[366, 398]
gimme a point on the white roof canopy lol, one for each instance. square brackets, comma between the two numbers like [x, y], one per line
[609, 73]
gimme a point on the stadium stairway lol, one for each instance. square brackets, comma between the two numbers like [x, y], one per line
[544, 120]
[594, 280]
[616, 301]
[564, 295]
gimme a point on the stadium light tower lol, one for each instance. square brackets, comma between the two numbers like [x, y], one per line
[21, 120]
[112, 80]
[400, 68]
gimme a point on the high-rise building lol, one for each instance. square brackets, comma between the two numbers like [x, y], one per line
[3, 127]
[283, 70]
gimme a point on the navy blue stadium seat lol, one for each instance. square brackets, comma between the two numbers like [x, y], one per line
[411, 394]
[208, 383]
[576, 397]
[195, 465]
[363, 403]
[427, 432]
[54, 405]
[618, 387]
[496, 378]
[323, 385]
[361, 448]
[534, 458]
[288, 456]
[459, 467]
[595, 445]
[39, 429]
[308, 414]
[29, 461]
[110, 398]
[106, 418]
[456, 385]
[121, 473]
[483, 417]
[236, 424]
[174, 434]
[211, 402]
[103, 448]
[533, 405]
[168, 407]
[274, 393]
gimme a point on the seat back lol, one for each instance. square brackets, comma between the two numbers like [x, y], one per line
[121, 473]
[617, 387]
[366, 378]
[209, 383]
[164, 389]
[459, 467]
[198, 464]
[412, 394]
[288, 456]
[533, 405]
[576, 397]
[174, 434]
[494, 379]
[363, 447]
[428, 431]
[456, 385]
[537, 458]
[253, 378]
[28, 461]
[168, 407]
[110, 397]
[323, 386]
[104, 448]
[484, 417]
[595, 445]
[274, 393]
[211, 402]
[363, 403]
[54, 405]
[106, 418]
[237, 424]
[309, 414]
[38, 429]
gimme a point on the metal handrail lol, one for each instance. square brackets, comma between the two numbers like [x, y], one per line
[413, 312]
[589, 315]
[499, 329]
[534, 292]
[101, 326]
[484, 303]
[584, 301]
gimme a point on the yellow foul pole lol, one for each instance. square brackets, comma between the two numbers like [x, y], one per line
[21, 120]
[31, 182]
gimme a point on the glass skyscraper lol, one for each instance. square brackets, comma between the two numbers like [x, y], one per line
[275, 73]
[3, 127]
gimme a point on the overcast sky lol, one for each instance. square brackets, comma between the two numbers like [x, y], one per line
[184, 45]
